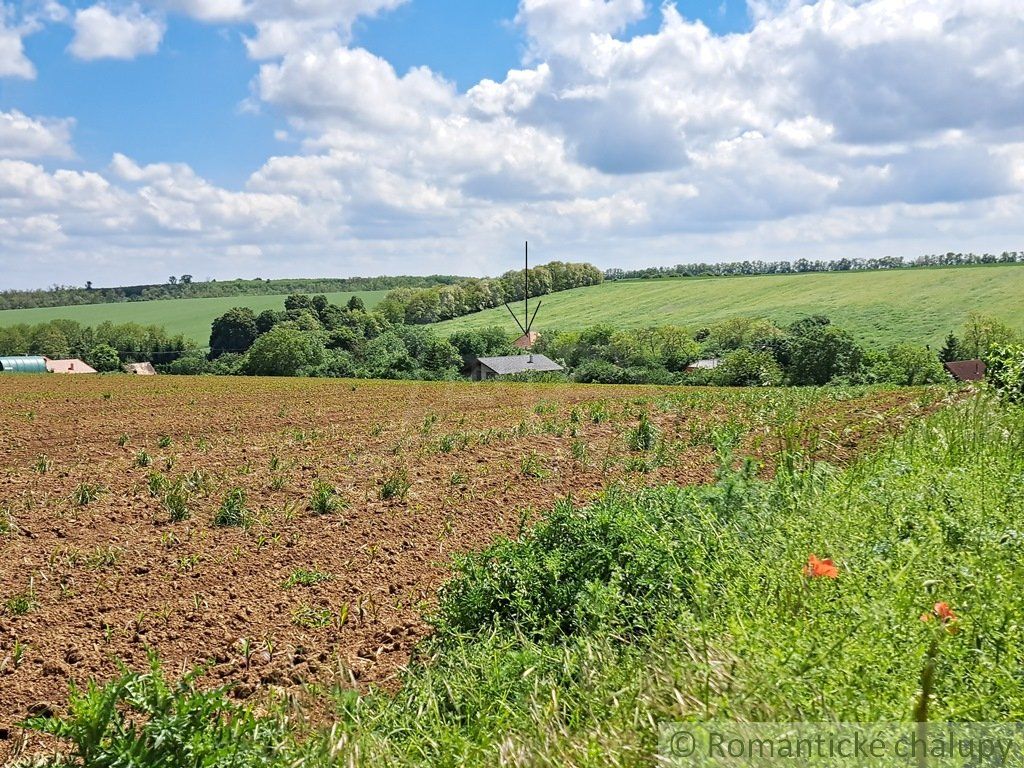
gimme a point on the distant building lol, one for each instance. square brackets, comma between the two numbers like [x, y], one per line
[966, 370]
[707, 364]
[489, 367]
[527, 340]
[23, 364]
[140, 369]
[74, 365]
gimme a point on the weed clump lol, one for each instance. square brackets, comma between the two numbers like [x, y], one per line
[325, 499]
[396, 485]
[233, 510]
[644, 436]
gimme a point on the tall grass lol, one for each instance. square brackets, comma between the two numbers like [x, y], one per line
[566, 645]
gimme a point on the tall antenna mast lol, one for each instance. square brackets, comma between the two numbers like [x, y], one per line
[526, 276]
[527, 320]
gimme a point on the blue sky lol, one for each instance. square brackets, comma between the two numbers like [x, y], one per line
[185, 103]
[277, 137]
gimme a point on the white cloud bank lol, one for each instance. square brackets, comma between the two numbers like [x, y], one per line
[101, 33]
[834, 128]
[25, 137]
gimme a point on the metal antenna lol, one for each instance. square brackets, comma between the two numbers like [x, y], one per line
[514, 317]
[526, 274]
[535, 309]
[526, 297]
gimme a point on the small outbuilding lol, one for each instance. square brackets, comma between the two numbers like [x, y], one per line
[140, 369]
[23, 364]
[73, 365]
[508, 365]
[707, 364]
[527, 340]
[966, 370]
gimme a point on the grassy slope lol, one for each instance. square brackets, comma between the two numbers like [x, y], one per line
[920, 306]
[191, 317]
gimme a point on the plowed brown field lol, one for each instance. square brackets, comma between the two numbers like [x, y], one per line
[94, 571]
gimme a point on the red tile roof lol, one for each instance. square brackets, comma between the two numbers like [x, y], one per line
[966, 370]
[73, 365]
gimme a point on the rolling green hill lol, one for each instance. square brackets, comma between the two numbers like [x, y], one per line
[916, 305]
[191, 317]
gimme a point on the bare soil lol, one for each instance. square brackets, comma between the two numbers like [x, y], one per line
[87, 583]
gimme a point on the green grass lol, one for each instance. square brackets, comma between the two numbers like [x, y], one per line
[190, 317]
[919, 305]
[568, 645]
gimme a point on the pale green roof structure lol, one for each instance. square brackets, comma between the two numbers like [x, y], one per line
[23, 364]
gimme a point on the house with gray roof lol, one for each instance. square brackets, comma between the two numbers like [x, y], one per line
[507, 365]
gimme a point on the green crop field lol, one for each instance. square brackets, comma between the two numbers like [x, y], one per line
[191, 317]
[920, 305]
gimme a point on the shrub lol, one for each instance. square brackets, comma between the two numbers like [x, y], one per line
[142, 719]
[1006, 372]
[104, 358]
[746, 368]
[908, 365]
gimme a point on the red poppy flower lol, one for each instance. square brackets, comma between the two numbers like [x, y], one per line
[943, 613]
[820, 569]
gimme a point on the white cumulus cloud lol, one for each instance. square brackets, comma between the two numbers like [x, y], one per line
[13, 61]
[103, 33]
[22, 136]
[830, 128]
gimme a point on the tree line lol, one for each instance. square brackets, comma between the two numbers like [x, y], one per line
[105, 347]
[443, 302]
[759, 267]
[184, 287]
[755, 352]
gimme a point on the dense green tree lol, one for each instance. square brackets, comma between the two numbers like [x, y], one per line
[104, 358]
[51, 341]
[320, 303]
[15, 340]
[355, 304]
[284, 351]
[908, 365]
[192, 364]
[821, 353]
[440, 358]
[234, 331]
[267, 319]
[1006, 372]
[482, 342]
[748, 368]
[950, 349]
[982, 332]
[297, 302]
[386, 357]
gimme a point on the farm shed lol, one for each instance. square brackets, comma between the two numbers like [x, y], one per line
[527, 340]
[140, 369]
[707, 364]
[23, 364]
[966, 370]
[488, 367]
[74, 365]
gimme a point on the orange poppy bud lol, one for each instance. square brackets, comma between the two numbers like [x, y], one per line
[820, 569]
